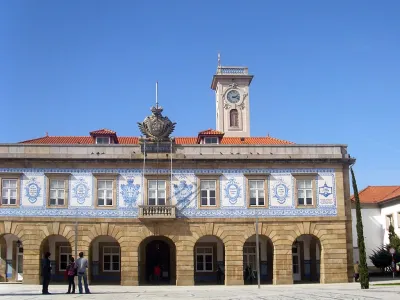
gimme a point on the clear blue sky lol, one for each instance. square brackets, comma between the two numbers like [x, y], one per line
[325, 71]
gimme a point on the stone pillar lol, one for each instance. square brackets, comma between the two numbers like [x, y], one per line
[334, 261]
[32, 261]
[283, 262]
[3, 261]
[129, 263]
[234, 263]
[184, 263]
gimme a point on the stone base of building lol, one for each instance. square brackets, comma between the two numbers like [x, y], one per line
[208, 251]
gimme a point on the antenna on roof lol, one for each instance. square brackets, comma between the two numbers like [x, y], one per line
[47, 133]
[156, 94]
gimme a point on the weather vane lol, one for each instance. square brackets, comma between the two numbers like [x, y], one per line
[219, 59]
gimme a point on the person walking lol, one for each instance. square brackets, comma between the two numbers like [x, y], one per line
[356, 271]
[46, 273]
[220, 275]
[82, 265]
[71, 272]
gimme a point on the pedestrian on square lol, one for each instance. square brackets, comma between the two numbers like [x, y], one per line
[82, 265]
[219, 275]
[46, 273]
[157, 273]
[356, 271]
[71, 273]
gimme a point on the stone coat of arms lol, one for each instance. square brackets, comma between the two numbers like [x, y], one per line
[156, 127]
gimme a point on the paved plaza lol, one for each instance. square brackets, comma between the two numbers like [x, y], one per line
[270, 292]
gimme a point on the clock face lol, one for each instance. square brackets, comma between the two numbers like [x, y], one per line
[233, 96]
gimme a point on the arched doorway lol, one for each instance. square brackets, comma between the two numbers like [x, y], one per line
[266, 255]
[104, 261]
[306, 255]
[157, 251]
[209, 260]
[12, 259]
[61, 251]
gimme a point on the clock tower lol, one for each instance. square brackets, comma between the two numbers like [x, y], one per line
[231, 86]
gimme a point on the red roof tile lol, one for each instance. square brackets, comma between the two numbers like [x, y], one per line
[211, 132]
[135, 140]
[103, 131]
[377, 194]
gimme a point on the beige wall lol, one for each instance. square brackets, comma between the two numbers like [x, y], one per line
[184, 234]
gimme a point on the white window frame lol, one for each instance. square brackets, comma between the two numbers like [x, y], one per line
[246, 257]
[204, 254]
[111, 254]
[57, 189]
[257, 189]
[211, 140]
[6, 191]
[105, 189]
[389, 221]
[102, 140]
[157, 191]
[61, 251]
[298, 181]
[208, 192]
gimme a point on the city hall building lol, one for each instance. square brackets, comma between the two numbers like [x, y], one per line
[190, 205]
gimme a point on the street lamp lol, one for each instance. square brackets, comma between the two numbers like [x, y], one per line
[19, 244]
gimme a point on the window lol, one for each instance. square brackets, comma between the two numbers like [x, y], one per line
[9, 192]
[389, 221]
[304, 192]
[102, 140]
[234, 118]
[257, 192]
[204, 259]
[57, 192]
[104, 192]
[249, 257]
[208, 192]
[65, 252]
[157, 192]
[211, 140]
[111, 259]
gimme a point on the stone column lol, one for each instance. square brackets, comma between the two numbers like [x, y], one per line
[129, 263]
[334, 261]
[234, 263]
[283, 262]
[184, 263]
[3, 261]
[32, 264]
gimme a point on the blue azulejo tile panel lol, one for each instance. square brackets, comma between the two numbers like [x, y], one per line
[184, 191]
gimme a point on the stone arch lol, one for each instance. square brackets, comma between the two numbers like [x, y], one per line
[307, 251]
[105, 257]
[11, 257]
[157, 251]
[209, 260]
[9, 227]
[61, 251]
[266, 256]
[55, 228]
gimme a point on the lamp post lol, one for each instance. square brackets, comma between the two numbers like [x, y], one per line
[19, 244]
[393, 251]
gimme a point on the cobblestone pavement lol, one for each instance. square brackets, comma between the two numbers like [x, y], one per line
[292, 292]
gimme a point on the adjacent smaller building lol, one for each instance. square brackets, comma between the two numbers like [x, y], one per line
[380, 207]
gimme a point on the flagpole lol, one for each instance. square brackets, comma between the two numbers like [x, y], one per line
[257, 253]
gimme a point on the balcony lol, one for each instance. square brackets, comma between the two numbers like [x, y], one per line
[157, 212]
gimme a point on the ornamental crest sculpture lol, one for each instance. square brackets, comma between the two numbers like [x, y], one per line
[156, 127]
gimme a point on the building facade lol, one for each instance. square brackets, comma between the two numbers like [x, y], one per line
[380, 207]
[189, 205]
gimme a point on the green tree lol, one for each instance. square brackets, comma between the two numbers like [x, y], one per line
[363, 268]
[394, 239]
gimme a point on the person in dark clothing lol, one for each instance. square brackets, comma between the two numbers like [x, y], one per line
[71, 272]
[46, 273]
[220, 275]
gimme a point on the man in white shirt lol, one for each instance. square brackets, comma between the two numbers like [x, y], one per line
[82, 265]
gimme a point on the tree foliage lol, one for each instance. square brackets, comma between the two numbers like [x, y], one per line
[363, 268]
[394, 239]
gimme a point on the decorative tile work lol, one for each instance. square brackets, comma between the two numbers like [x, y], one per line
[183, 193]
[32, 192]
[232, 191]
